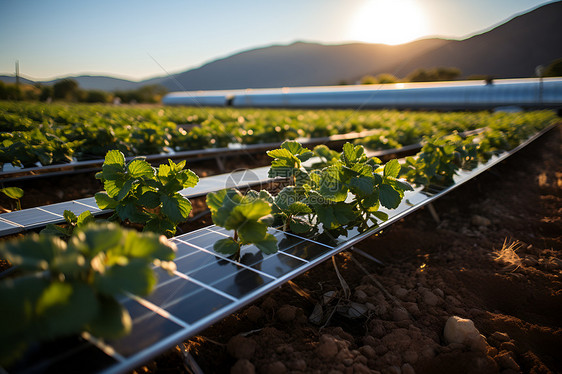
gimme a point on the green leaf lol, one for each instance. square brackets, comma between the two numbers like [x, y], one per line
[332, 186]
[65, 308]
[389, 197]
[55, 230]
[226, 246]
[131, 212]
[124, 189]
[104, 201]
[300, 226]
[215, 200]
[84, 219]
[139, 168]
[335, 215]
[113, 167]
[251, 231]
[176, 207]
[98, 238]
[112, 321]
[299, 208]
[70, 217]
[134, 277]
[381, 215]
[362, 186]
[13, 192]
[149, 199]
[392, 169]
[267, 245]
[160, 226]
[33, 252]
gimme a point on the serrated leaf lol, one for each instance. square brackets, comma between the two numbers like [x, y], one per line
[176, 207]
[226, 246]
[389, 197]
[124, 189]
[251, 231]
[70, 217]
[268, 245]
[130, 211]
[299, 226]
[13, 192]
[299, 208]
[139, 168]
[33, 252]
[362, 186]
[149, 199]
[332, 186]
[98, 238]
[160, 226]
[104, 201]
[54, 230]
[335, 215]
[85, 218]
[392, 169]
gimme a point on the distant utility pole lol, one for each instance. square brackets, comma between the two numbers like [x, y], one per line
[17, 73]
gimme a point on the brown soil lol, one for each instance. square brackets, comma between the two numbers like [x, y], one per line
[431, 271]
[495, 258]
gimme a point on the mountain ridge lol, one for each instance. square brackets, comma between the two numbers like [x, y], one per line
[511, 49]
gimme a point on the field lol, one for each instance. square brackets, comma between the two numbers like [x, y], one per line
[493, 255]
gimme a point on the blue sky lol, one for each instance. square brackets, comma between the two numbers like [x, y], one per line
[142, 39]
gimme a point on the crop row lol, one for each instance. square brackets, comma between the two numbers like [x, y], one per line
[33, 133]
[71, 279]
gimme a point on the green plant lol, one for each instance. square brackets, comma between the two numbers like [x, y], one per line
[344, 189]
[60, 289]
[248, 215]
[73, 223]
[141, 194]
[15, 193]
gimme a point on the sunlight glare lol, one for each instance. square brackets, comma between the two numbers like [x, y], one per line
[388, 21]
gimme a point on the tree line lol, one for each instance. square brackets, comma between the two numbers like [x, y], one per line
[70, 91]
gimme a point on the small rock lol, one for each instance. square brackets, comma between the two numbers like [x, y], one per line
[368, 351]
[241, 347]
[359, 368]
[461, 330]
[287, 313]
[391, 370]
[439, 292]
[269, 303]
[506, 361]
[254, 313]
[243, 366]
[408, 369]
[410, 356]
[430, 298]
[299, 365]
[328, 347]
[400, 292]
[276, 367]
[507, 346]
[477, 220]
[400, 314]
[500, 336]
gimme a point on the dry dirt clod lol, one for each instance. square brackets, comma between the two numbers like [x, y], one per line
[241, 347]
[243, 366]
[328, 347]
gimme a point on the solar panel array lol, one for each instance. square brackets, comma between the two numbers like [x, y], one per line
[208, 286]
[28, 219]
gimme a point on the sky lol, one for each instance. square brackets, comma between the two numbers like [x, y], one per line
[138, 39]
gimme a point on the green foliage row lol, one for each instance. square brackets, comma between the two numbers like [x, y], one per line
[63, 288]
[32, 133]
[343, 192]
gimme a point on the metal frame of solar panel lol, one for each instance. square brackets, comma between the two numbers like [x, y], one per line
[208, 286]
[28, 219]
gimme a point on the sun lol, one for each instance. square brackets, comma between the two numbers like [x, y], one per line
[388, 21]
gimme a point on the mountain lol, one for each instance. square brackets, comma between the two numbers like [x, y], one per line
[510, 50]
[298, 64]
[87, 82]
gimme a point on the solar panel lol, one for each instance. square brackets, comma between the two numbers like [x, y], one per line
[207, 286]
[27, 219]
